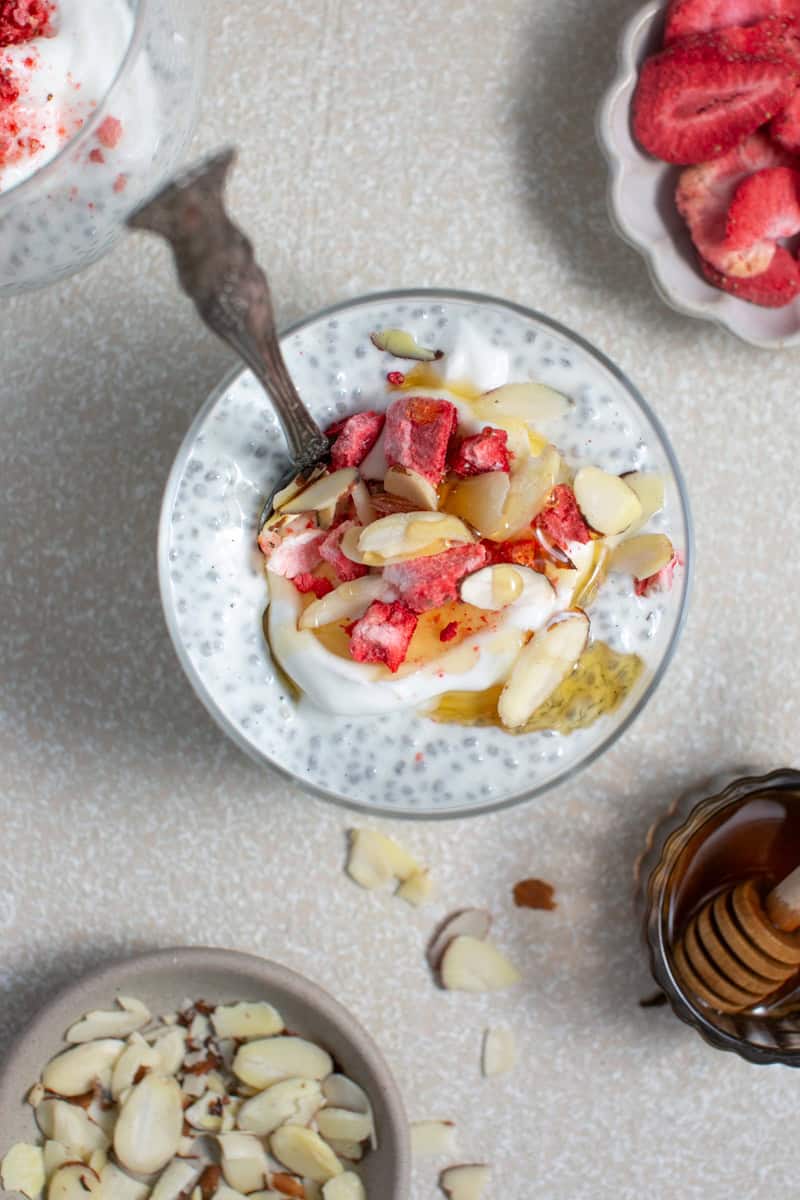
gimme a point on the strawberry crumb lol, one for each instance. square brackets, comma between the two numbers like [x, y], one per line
[317, 584]
[449, 632]
[419, 757]
[109, 133]
[96, 156]
[120, 183]
[396, 378]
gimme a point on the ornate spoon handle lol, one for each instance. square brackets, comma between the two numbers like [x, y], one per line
[218, 270]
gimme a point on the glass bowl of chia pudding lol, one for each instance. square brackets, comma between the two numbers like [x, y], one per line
[475, 597]
[98, 99]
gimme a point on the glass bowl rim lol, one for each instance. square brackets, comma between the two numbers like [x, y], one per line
[426, 295]
[19, 190]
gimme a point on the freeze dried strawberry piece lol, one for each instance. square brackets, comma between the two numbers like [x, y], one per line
[109, 133]
[425, 583]
[312, 583]
[765, 206]
[418, 432]
[23, 20]
[686, 17]
[297, 554]
[449, 632]
[9, 91]
[662, 580]
[331, 551]
[355, 437]
[704, 195]
[773, 288]
[483, 452]
[561, 519]
[697, 99]
[383, 634]
[785, 128]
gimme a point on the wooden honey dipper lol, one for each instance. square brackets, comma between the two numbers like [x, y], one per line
[739, 949]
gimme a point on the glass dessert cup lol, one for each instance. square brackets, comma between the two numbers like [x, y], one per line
[71, 210]
[711, 839]
[401, 763]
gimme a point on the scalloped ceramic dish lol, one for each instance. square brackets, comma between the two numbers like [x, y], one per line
[163, 979]
[642, 208]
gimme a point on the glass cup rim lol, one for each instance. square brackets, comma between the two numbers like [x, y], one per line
[425, 294]
[655, 930]
[20, 189]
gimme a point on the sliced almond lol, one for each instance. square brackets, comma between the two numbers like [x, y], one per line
[345, 603]
[224, 1192]
[150, 1125]
[401, 481]
[401, 344]
[305, 1153]
[350, 549]
[362, 503]
[466, 1182]
[205, 1114]
[409, 533]
[292, 1101]
[540, 667]
[417, 889]
[176, 1180]
[343, 1125]
[344, 1187]
[468, 922]
[432, 1139]
[649, 489]
[269, 1060]
[534, 403]
[230, 1114]
[606, 501]
[22, 1170]
[470, 965]
[55, 1155]
[287, 1185]
[480, 501]
[245, 1021]
[137, 1056]
[35, 1095]
[590, 579]
[117, 1185]
[375, 859]
[326, 491]
[98, 1160]
[73, 1181]
[75, 1071]
[348, 1151]
[171, 1050]
[71, 1126]
[529, 488]
[499, 1052]
[641, 556]
[244, 1161]
[296, 486]
[114, 1024]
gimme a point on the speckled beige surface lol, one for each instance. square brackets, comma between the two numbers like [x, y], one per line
[384, 144]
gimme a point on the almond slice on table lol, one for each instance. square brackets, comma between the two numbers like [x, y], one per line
[119, 1023]
[409, 485]
[649, 489]
[23, 1170]
[149, 1125]
[292, 1101]
[244, 1161]
[529, 402]
[375, 859]
[642, 556]
[179, 1177]
[499, 1052]
[606, 501]
[540, 667]
[468, 922]
[269, 1060]
[401, 344]
[344, 1125]
[345, 603]
[466, 1182]
[73, 1181]
[480, 500]
[530, 485]
[75, 1071]
[471, 965]
[344, 1187]
[304, 1152]
[417, 889]
[326, 491]
[246, 1020]
[432, 1139]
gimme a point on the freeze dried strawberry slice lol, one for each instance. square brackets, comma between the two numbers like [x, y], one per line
[686, 17]
[356, 437]
[312, 583]
[383, 634]
[483, 452]
[561, 520]
[425, 583]
[696, 100]
[22, 20]
[296, 554]
[662, 580]
[773, 288]
[418, 432]
[765, 206]
[704, 195]
[331, 551]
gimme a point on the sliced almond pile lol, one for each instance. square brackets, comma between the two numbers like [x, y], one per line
[207, 1103]
[375, 860]
[499, 1052]
[465, 1182]
[402, 345]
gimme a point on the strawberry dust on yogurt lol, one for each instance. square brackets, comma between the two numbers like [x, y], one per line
[58, 59]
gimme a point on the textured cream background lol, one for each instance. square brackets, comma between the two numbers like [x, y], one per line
[385, 144]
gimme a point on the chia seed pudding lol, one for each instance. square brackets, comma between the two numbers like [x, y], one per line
[436, 751]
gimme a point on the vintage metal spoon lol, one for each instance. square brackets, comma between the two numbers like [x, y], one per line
[218, 271]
